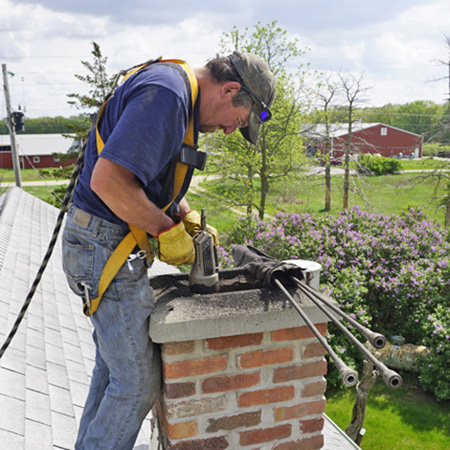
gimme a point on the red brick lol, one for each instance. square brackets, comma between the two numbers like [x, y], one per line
[242, 340]
[179, 390]
[250, 419]
[214, 443]
[230, 383]
[266, 357]
[312, 443]
[297, 372]
[181, 430]
[252, 437]
[192, 367]
[266, 396]
[291, 334]
[312, 425]
[314, 350]
[178, 348]
[317, 407]
[290, 412]
[313, 389]
[196, 407]
[300, 410]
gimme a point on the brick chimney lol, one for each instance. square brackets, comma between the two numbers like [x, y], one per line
[240, 367]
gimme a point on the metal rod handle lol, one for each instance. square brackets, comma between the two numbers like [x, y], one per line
[348, 376]
[377, 340]
[390, 378]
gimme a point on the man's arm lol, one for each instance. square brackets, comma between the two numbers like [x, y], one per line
[183, 207]
[120, 191]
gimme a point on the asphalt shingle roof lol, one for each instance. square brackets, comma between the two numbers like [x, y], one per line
[45, 373]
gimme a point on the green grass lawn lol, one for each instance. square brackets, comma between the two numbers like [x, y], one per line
[42, 192]
[403, 419]
[221, 218]
[386, 194]
[424, 164]
[7, 175]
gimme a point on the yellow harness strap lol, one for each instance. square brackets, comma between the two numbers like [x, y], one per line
[136, 236]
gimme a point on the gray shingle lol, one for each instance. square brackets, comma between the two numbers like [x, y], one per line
[37, 436]
[61, 400]
[12, 384]
[57, 375]
[12, 414]
[45, 373]
[37, 407]
[13, 360]
[11, 440]
[64, 431]
[37, 379]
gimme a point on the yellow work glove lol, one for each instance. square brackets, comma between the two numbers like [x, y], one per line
[192, 223]
[176, 246]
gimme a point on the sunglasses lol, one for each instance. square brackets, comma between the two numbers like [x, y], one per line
[265, 114]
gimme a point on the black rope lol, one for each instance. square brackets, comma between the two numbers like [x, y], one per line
[62, 211]
[51, 246]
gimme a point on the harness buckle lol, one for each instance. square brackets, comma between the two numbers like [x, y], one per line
[193, 157]
[141, 254]
[87, 299]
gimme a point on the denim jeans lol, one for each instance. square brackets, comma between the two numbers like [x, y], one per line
[126, 377]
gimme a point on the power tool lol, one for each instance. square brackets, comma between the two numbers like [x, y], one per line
[204, 274]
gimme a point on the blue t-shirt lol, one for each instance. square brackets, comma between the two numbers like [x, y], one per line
[143, 128]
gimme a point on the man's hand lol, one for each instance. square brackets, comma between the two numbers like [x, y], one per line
[176, 246]
[192, 223]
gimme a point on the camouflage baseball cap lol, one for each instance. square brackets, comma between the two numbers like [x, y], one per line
[259, 82]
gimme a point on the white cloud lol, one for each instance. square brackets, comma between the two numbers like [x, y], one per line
[394, 43]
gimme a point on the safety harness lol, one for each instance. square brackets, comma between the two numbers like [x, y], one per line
[189, 156]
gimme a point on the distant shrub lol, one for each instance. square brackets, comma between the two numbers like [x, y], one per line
[433, 149]
[390, 272]
[378, 165]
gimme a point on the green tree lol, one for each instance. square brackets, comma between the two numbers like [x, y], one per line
[353, 88]
[441, 134]
[279, 152]
[327, 93]
[443, 129]
[100, 85]
[419, 117]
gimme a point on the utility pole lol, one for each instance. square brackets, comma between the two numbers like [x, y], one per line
[12, 129]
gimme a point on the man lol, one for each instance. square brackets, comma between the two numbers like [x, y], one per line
[143, 127]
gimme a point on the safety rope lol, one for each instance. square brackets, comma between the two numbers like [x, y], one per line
[62, 211]
[73, 179]
[50, 248]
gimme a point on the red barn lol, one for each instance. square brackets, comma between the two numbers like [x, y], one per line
[38, 150]
[373, 138]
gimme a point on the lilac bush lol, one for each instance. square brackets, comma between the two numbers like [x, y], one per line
[435, 369]
[390, 272]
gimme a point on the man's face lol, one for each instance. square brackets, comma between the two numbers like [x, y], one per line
[223, 115]
[228, 120]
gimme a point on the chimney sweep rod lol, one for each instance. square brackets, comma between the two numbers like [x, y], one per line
[377, 340]
[348, 376]
[392, 379]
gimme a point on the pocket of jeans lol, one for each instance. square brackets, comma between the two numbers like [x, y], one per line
[78, 259]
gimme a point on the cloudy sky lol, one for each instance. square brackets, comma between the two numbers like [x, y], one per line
[397, 44]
